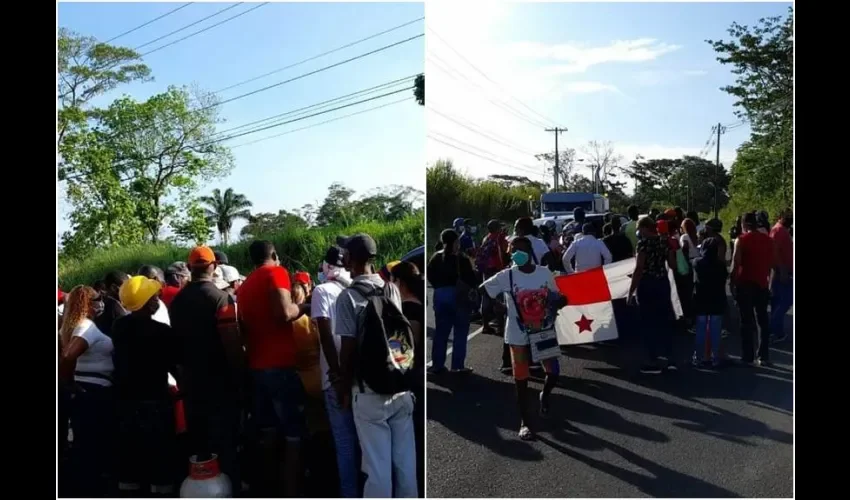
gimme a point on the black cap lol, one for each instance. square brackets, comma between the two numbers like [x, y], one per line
[220, 257]
[750, 219]
[334, 256]
[495, 225]
[360, 246]
[715, 224]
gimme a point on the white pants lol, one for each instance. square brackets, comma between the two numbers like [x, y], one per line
[385, 428]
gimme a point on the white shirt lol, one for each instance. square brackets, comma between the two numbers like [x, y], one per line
[323, 305]
[693, 251]
[533, 292]
[161, 314]
[98, 357]
[588, 252]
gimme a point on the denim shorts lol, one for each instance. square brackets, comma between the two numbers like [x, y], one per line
[279, 402]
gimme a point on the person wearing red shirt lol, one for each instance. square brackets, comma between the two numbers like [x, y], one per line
[782, 287]
[176, 277]
[752, 263]
[266, 312]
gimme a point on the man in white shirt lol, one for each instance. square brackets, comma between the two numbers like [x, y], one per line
[587, 250]
[334, 279]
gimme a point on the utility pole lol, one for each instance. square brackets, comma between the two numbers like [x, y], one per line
[557, 131]
[720, 130]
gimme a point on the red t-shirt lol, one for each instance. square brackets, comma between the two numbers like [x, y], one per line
[784, 246]
[757, 258]
[268, 340]
[168, 294]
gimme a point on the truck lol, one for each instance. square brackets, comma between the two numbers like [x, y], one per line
[560, 204]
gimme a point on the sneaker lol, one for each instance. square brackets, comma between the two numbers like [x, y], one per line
[436, 370]
[462, 371]
[525, 433]
[651, 369]
[764, 362]
[544, 406]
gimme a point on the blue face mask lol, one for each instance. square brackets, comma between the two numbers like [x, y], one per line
[322, 278]
[519, 257]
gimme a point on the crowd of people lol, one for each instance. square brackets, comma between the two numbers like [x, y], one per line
[253, 374]
[510, 282]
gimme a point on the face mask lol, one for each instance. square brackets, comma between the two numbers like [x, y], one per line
[639, 235]
[98, 308]
[322, 277]
[519, 257]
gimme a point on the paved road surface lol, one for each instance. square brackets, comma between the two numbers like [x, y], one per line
[612, 431]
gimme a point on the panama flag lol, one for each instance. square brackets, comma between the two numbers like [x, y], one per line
[589, 315]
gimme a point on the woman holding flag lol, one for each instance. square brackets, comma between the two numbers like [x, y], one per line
[533, 300]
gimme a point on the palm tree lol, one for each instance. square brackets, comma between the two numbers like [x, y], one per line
[222, 210]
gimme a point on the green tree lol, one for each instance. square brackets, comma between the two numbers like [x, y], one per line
[153, 150]
[336, 209]
[269, 223]
[87, 69]
[419, 89]
[762, 58]
[687, 182]
[222, 209]
[389, 204]
[567, 158]
[193, 226]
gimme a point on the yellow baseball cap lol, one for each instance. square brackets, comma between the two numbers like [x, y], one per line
[137, 291]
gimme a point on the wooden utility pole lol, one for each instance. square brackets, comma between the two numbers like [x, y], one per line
[557, 131]
[720, 130]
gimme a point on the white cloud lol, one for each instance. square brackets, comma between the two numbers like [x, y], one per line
[578, 58]
[654, 77]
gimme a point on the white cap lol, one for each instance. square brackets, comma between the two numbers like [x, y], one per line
[218, 279]
[230, 273]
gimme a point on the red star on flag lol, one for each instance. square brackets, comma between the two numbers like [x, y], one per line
[584, 324]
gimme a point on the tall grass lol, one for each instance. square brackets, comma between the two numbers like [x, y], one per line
[299, 249]
[451, 194]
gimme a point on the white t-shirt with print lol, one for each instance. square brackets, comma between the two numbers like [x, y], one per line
[323, 305]
[534, 292]
[98, 357]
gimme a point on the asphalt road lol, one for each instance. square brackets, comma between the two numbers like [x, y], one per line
[614, 432]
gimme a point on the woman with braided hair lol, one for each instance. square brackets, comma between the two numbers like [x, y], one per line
[85, 368]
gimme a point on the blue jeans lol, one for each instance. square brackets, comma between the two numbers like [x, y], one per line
[656, 316]
[708, 327]
[780, 302]
[346, 444]
[279, 402]
[449, 317]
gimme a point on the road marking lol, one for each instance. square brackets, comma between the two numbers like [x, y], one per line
[449, 350]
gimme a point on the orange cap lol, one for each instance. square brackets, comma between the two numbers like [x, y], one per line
[201, 257]
[670, 213]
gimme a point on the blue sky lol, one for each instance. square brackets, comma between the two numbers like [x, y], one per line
[637, 74]
[364, 152]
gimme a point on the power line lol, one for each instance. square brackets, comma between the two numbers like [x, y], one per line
[324, 103]
[447, 44]
[304, 75]
[449, 70]
[172, 11]
[351, 44]
[474, 154]
[484, 133]
[169, 44]
[406, 99]
[484, 151]
[220, 11]
[234, 136]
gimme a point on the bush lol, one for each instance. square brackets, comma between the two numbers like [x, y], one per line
[451, 194]
[299, 249]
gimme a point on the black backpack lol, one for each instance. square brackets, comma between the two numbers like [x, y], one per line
[385, 345]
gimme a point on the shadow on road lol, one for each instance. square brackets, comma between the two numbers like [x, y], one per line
[660, 482]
